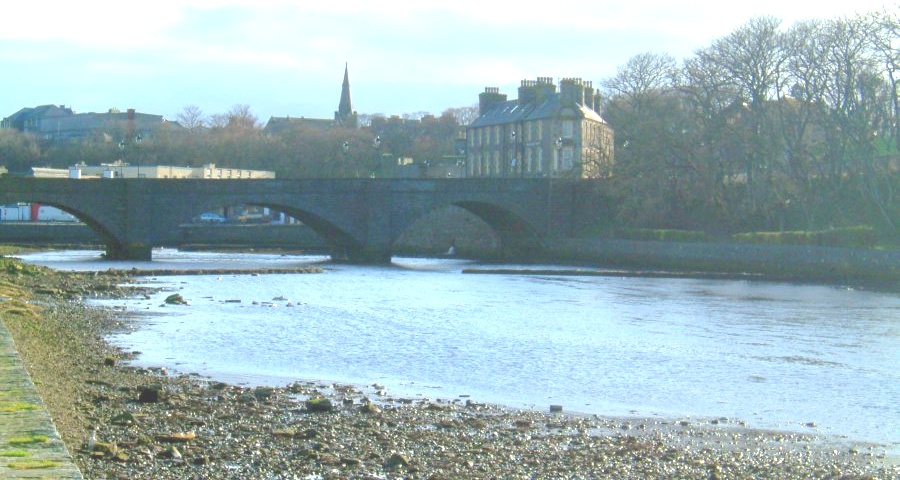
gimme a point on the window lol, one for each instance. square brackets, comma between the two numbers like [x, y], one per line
[567, 154]
[568, 128]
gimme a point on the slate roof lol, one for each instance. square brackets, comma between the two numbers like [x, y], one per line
[62, 122]
[513, 111]
[20, 119]
[277, 125]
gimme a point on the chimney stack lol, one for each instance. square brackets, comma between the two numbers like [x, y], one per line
[571, 91]
[489, 98]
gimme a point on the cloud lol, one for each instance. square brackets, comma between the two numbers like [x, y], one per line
[98, 22]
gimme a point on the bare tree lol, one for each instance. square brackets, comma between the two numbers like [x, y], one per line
[752, 57]
[884, 36]
[240, 117]
[645, 112]
[191, 118]
[463, 115]
[218, 121]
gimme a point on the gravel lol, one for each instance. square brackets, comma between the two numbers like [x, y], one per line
[123, 422]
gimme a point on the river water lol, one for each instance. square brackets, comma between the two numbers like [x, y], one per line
[807, 358]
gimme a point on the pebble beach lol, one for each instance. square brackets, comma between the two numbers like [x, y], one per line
[122, 422]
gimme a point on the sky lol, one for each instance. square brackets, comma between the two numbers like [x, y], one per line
[286, 58]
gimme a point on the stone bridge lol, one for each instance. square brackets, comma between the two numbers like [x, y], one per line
[359, 218]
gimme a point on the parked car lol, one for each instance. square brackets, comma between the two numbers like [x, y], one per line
[210, 217]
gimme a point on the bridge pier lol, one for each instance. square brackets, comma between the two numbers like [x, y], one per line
[361, 256]
[129, 251]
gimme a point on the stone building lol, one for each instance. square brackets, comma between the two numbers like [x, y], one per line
[60, 123]
[119, 169]
[544, 133]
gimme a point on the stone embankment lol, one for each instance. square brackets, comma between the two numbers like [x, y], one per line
[30, 445]
[124, 422]
[865, 267]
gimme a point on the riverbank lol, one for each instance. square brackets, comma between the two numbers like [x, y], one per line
[147, 424]
[855, 267]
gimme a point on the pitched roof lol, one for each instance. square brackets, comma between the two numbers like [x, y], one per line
[516, 111]
[19, 119]
[277, 125]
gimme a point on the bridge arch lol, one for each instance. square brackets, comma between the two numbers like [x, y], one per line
[514, 236]
[518, 237]
[83, 212]
[314, 215]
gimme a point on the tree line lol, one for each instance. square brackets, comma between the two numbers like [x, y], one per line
[237, 139]
[767, 128]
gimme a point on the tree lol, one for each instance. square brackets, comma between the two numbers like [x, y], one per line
[463, 115]
[752, 58]
[644, 78]
[762, 129]
[881, 182]
[240, 118]
[191, 118]
[709, 99]
[18, 151]
[645, 112]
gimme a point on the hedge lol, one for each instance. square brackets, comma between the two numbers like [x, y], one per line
[662, 235]
[848, 237]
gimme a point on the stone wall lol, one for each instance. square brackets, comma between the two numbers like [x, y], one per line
[780, 262]
[48, 234]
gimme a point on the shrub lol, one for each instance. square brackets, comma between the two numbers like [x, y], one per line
[848, 237]
[662, 235]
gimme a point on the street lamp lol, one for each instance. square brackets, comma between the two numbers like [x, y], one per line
[137, 141]
[122, 158]
[345, 148]
[376, 144]
[512, 137]
[558, 161]
[558, 143]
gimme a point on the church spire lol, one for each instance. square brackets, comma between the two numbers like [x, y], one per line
[345, 115]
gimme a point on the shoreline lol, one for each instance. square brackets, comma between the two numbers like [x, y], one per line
[153, 425]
